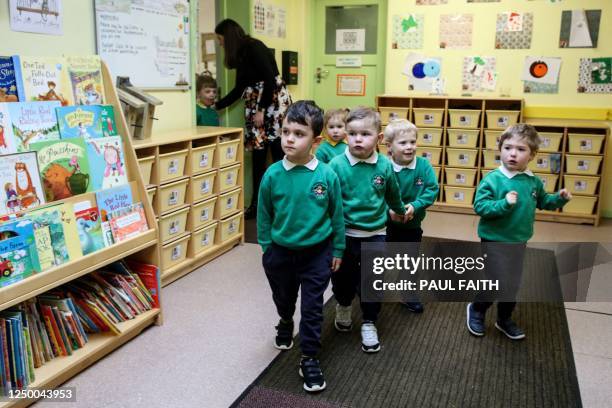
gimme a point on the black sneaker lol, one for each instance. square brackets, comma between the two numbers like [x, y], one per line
[284, 335]
[414, 307]
[510, 329]
[475, 321]
[311, 372]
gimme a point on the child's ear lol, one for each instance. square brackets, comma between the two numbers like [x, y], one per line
[317, 140]
[380, 137]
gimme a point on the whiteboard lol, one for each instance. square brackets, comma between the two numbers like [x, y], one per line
[147, 40]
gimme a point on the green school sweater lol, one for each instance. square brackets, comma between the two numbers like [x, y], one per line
[367, 190]
[500, 221]
[327, 151]
[419, 187]
[300, 207]
[206, 116]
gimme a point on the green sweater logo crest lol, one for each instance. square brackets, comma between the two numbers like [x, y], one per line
[319, 190]
[378, 182]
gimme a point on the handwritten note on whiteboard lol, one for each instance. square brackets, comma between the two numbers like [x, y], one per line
[146, 40]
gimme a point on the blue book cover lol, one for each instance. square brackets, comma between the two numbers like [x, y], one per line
[18, 78]
[90, 230]
[79, 121]
[113, 199]
[106, 162]
[18, 248]
[8, 83]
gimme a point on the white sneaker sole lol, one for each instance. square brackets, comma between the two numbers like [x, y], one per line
[519, 337]
[314, 388]
[374, 349]
[276, 346]
[467, 322]
[343, 328]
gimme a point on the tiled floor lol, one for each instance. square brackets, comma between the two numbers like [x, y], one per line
[219, 325]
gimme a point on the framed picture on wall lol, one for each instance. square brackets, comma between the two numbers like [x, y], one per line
[207, 44]
[350, 85]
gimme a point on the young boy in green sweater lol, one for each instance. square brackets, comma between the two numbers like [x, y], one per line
[334, 143]
[368, 187]
[206, 92]
[300, 227]
[506, 200]
[418, 186]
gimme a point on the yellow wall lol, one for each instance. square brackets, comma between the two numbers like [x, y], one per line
[297, 39]
[78, 39]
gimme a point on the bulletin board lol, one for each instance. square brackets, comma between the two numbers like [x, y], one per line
[147, 40]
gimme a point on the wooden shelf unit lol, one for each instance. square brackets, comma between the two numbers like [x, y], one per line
[209, 162]
[60, 369]
[408, 107]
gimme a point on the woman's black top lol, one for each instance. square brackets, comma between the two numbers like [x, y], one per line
[256, 64]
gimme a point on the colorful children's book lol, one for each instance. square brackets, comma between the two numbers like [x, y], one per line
[85, 73]
[8, 83]
[50, 218]
[128, 222]
[20, 180]
[79, 121]
[7, 139]
[90, 232]
[113, 199]
[43, 79]
[64, 168]
[18, 253]
[31, 122]
[106, 162]
[107, 121]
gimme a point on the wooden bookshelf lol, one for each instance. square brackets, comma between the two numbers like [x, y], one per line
[484, 128]
[189, 159]
[60, 369]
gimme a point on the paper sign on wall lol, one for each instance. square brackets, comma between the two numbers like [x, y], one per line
[350, 85]
[541, 70]
[421, 71]
[36, 17]
[579, 28]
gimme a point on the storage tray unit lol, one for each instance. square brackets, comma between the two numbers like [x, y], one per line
[389, 113]
[428, 117]
[201, 158]
[463, 138]
[172, 165]
[464, 118]
[501, 119]
[173, 224]
[549, 181]
[427, 137]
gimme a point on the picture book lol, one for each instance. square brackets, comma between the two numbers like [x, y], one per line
[128, 222]
[18, 253]
[32, 122]
[20, 180]
[50, 219]
[43, 79]
[7, 140]
[64, 168]
[8, 83]
[106, 162]
[89, 229]
[79, 121]
[71, 235]
[113, 199]
[107, 121]
[85, 73]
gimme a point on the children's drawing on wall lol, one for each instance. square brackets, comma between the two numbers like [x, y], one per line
[407, 32]
[595, 75]
[479, 74]
[541, 75]
[514, 30]
[456, 30]
[36, 16]
[421, 71]
[579, 28]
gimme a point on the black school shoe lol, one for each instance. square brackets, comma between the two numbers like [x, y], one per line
[510, 329]
[284, 335]
[311, 372]
[475, 321]
[414, 307]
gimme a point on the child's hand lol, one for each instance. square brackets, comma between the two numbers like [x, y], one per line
[511, 197]
[565, 194]
[395, 216]
[336, 262]
[409, 213]
[258, 120]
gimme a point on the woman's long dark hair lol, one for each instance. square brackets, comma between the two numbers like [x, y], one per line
[234, 38]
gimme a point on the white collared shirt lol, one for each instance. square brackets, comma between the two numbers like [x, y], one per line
[311, 165]
[399, 167]
[511, 174]
[354, 160]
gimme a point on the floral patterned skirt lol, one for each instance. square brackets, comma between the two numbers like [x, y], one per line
[257, 137]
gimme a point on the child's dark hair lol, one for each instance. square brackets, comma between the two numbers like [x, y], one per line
[306, 113]
[364, 112]
[525, 132]
[234, 38]
[205, 81]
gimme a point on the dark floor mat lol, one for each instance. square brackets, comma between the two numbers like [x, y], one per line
[430, 360]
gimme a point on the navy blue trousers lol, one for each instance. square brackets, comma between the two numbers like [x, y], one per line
[308, 269]
[346, 283]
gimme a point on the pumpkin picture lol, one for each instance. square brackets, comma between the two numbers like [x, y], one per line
[538, 69]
